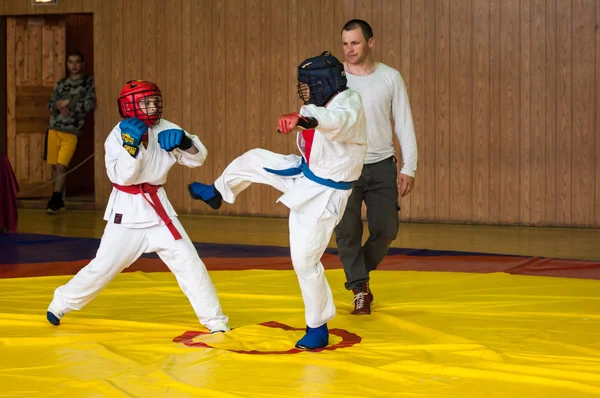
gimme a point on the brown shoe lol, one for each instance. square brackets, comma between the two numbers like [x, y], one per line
[362, 300]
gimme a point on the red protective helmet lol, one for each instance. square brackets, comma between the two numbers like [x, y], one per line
[141, 99]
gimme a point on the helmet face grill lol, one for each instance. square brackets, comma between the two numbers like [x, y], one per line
[309, 93]
[142, 100]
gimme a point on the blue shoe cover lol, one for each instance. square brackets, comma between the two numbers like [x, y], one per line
[206, 193]
[314, 338]
[201, 191]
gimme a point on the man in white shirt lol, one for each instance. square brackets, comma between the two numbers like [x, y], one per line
[383, 94]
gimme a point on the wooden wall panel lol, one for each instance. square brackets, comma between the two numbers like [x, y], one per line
[104, 116]
[331, 29]
[202, 93]
[150, 13]
[15, 7]
[30, 42]
[495, 116]
[461, 140]
[481, 111]
[597, 117]
[442, 112]
[48, 56]
[281, 83]
[36, 147]
[405, 68]
[34, 46]
[235, 115]
[133, 40]
[59, 52]
[389, 39]
[564, 110]
[187, 100]
[417, 93]
[25, 7]
[504, 92]
[220, 135]
[118, 77]
[427, 171]
[551, 113]
[538, 111]
[22, 61]
[70, 6]
[22, 166]
[525, 182]
[509, 111]
[173, 86]
[251, 132]
[584, 151]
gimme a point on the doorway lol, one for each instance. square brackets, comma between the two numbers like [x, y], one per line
[80, 183]
[36, 49]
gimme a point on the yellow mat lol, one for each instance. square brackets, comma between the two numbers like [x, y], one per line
[431, 335]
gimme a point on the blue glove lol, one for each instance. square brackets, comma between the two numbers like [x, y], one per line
[132, 131]
[174, 138]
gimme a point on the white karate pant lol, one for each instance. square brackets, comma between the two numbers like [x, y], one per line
[309, 236]
[120, 247]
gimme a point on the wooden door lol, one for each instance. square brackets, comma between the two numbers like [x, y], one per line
[35, 58]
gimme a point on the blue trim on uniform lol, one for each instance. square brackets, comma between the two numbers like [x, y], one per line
[304, 169]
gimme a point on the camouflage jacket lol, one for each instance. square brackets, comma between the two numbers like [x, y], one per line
[82, 99]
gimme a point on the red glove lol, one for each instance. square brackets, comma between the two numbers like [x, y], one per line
[288, 122]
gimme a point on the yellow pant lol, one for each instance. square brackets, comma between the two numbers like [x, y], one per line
[60, 147]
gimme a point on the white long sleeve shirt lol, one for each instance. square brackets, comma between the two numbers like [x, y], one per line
[151, 165]
[384, 94]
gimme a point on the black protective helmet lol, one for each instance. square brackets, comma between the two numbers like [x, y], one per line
[320, 78]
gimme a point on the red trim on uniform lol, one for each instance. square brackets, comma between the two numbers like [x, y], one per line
[308, 136]
[152, 190]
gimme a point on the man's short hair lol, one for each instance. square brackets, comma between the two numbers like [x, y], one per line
[359, 23]
[76, 53]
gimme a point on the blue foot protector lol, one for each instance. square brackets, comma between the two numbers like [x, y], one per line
[314, 338]
[206, 193]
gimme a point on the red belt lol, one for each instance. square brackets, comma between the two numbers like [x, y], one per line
[152, 190]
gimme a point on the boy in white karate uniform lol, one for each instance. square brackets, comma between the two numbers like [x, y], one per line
[140, 151]
[315, 185]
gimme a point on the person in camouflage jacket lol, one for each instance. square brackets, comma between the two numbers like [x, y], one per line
[73, 97]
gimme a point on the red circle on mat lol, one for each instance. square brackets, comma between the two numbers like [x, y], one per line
[348, 340]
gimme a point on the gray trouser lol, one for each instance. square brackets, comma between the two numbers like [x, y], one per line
[377, 186]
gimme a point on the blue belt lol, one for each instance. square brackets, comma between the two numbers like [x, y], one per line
[303, 169]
